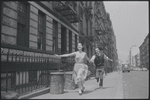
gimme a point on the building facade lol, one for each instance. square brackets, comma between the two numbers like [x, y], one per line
[137, 60]
[133, 61]
[31, 32]
[144, 52]
[39, 26]
[41, 29]
[85, 26]
[103, 33]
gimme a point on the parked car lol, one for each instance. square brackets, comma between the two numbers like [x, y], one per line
[139, 69]
[125, 68]
[144, 69]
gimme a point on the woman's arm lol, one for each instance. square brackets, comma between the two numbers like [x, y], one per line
[87, 58]
[66, 55]
[92, 60]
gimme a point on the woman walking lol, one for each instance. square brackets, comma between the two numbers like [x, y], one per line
[80, 68]
[98, 60]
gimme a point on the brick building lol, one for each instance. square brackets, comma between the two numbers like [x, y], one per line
[144, 52]
[137, 60]
[41, 29]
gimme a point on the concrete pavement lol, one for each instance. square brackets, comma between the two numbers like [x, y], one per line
[112, 89]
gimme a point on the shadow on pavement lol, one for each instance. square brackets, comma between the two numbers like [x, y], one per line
[89, 91]
[103, 88]
[86, 92]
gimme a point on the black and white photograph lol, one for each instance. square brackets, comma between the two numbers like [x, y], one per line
[74, 49]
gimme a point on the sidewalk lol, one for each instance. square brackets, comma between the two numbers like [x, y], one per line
[113, 89]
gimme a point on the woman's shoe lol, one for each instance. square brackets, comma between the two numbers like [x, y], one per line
[83, 89]
[80, 92]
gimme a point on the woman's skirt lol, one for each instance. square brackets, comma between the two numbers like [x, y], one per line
[80, 72]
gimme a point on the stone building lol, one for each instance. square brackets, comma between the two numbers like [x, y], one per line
[137, 60]
[144, 52]
[85, 26]
[39, 27]
[44, 28]
[103, 33]
[31, 32]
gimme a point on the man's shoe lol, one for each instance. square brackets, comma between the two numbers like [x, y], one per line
[100, 87]
[97, 79]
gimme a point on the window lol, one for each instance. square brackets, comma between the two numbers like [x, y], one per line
[75, 42]
[55, 35]
[70, 41]
[81, 27]
[87, 51]
[86, 3]
[41, 44]
[91, 51]
[63, 40]
[80, 12]
[22, 36]
[90, 3]
[87, 26]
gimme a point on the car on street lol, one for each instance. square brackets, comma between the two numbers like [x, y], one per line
[139, 69]
[144, 69]
[136, 69]
[125, 68]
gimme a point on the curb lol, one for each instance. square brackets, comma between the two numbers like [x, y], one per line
[35, 93]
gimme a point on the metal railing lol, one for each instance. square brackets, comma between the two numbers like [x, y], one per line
[25, 73]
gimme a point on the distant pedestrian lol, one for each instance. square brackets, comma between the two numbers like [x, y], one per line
[80, 70]
[1, 50]
[98, 60]
[118, 69]
[106, 68]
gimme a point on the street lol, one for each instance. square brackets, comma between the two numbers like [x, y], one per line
[136, 84]
[128, 85]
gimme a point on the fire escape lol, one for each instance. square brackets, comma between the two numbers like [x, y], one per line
[90, 37]
[99, 30]
[102, 29]
[67, 9]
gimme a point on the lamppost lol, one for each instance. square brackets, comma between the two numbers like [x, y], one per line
[130, 55]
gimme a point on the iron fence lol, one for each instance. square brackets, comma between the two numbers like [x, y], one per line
[25, 73]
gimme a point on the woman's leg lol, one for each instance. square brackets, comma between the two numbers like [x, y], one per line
[80, 86]
[80, 80]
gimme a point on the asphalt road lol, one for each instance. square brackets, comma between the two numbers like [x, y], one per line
[136, 84]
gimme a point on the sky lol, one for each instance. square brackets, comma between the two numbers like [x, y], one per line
[130, 21]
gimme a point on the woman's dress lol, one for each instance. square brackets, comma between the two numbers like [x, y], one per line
[80, 68]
